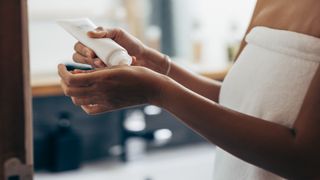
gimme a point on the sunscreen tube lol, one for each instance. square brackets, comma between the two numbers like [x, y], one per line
[111, 53]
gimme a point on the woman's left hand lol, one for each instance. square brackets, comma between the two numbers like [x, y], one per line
[103, 90]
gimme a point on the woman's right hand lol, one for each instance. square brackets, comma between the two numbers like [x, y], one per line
[85, 55]
[145, 56]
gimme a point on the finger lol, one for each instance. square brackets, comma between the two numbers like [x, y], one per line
[86, 100]
[104, 33]
[97, 34]
[79, 58]
[76, 91]
[95, 109]
[94, 62]
[70, 79]
[78, 71]
[98, 63]
[84, 50]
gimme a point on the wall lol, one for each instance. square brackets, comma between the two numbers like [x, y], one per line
[50, 45]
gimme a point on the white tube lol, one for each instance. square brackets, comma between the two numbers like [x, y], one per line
[111, 53]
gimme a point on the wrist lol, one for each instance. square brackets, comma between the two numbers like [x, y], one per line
[156, 61]
[164, 87]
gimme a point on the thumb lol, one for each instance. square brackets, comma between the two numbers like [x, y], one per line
[97, 33]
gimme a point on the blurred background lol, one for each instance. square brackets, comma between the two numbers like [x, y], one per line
[143, 142]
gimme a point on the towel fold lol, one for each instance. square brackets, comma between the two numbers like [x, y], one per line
[291, 43]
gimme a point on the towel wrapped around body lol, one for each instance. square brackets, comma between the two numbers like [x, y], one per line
[269, 81]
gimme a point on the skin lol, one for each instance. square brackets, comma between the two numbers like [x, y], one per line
[289, 152]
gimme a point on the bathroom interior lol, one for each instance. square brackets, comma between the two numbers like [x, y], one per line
[140, 143]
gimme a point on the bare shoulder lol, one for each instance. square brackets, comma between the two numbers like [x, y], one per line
[302, 16]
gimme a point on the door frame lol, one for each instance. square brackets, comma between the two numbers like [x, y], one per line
[16, 150]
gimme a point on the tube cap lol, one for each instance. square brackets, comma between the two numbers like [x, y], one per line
[120, 57]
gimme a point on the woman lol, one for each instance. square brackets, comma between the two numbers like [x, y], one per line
[264, 116]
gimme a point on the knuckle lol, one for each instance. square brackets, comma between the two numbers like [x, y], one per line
[76, 46]
[86, 52]
[69, 80]
[89, 53]
[141, 48]
[67, 92]
[75, 56]
[119, 31]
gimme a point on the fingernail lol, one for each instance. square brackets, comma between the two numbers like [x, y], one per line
[97, 63]
[90, 33]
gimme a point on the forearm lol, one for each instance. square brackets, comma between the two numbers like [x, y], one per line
[265, 144]
[201, 85]
[204, 86]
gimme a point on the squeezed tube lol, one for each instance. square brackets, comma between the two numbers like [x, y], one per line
[111, 53]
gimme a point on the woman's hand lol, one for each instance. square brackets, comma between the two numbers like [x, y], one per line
[145, 56]
[103, 90]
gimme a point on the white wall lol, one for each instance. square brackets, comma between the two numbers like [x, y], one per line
[50, 45]
[216, 17]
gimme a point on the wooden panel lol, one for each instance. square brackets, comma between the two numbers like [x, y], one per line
[15, 92]
[47, 90]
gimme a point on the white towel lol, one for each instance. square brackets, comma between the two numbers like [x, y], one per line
[269, 80]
